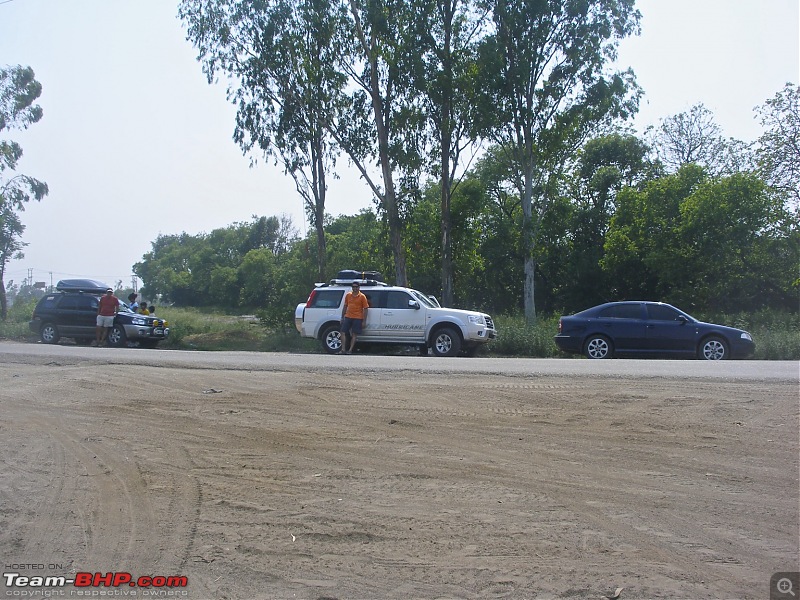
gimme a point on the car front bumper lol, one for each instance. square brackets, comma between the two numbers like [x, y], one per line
[142, 332]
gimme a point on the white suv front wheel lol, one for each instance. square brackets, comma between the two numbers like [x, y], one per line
[446, 342]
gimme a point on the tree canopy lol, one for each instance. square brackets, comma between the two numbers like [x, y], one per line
[19, 90]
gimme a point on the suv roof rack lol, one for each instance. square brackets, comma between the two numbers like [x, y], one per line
[81, 285]
[362, 282]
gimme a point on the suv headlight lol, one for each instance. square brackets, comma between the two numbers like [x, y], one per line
[477, 319]
[139, 321]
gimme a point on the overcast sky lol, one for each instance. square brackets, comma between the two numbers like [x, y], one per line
[135, 143]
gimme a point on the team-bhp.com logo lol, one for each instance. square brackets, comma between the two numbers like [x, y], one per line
[96, 580]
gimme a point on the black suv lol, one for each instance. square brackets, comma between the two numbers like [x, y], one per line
[71, 312]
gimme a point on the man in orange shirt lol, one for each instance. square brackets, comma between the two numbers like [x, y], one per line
[354, 315]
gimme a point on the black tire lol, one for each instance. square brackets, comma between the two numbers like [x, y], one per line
[714, 348]
[446, 342]
[331, 339]
[49, 334]
[116, 337]
[598, 347]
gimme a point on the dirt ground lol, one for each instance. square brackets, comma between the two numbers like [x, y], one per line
[386, 485]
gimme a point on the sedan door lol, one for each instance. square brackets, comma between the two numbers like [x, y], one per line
[669, 330]
[625, 325]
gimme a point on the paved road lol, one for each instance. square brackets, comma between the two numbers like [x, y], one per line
[279, 361]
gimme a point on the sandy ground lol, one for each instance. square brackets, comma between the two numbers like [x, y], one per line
[390, 485]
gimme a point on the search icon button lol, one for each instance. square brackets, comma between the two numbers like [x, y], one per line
[783, 585]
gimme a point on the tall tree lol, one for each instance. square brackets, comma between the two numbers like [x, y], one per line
[385, 124]
[778, 152]
[18, 92]
[449, 31]
[604, 166]
[548, 88]
[281, 57]
[694, 137]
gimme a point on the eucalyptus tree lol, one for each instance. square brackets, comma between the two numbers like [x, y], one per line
[385, 126]
[449, 32]
[778, 150]
[19, 90]
[548, 85]
[694, 137]
[280, 57]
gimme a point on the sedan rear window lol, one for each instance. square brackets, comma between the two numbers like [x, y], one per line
[621, 311]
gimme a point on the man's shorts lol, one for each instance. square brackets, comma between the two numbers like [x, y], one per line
[353, 325]
[103, 321]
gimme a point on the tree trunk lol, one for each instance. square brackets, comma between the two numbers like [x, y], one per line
[529, 301]
[389, 195]
[447, 239]
[3, 300]
[320, 190]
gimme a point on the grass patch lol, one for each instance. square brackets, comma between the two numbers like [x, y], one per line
[515, 337]
[195, 329]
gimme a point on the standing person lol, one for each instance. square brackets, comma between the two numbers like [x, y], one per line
[134, 305]
[354, 316]
[106, 311]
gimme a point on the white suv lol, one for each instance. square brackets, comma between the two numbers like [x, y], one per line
[396, 315]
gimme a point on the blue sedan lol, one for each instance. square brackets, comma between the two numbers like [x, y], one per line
[648, 328]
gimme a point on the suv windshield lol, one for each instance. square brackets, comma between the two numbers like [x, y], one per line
[423, 299]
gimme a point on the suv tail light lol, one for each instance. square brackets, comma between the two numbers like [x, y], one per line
[560, 326]
[311, 297]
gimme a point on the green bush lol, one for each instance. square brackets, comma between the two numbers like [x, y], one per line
[16, 324]
[517, 338]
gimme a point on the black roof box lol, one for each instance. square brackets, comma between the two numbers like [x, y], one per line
[361, 282]
[81, 285]
[360, 275]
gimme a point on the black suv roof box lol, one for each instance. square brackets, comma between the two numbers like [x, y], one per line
[81, 285]
[360, 275]
[361, 282]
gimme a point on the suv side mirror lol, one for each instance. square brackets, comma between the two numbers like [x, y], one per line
[413, 304]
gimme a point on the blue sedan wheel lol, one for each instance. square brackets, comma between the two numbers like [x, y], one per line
[598, 347]
[714, 348]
